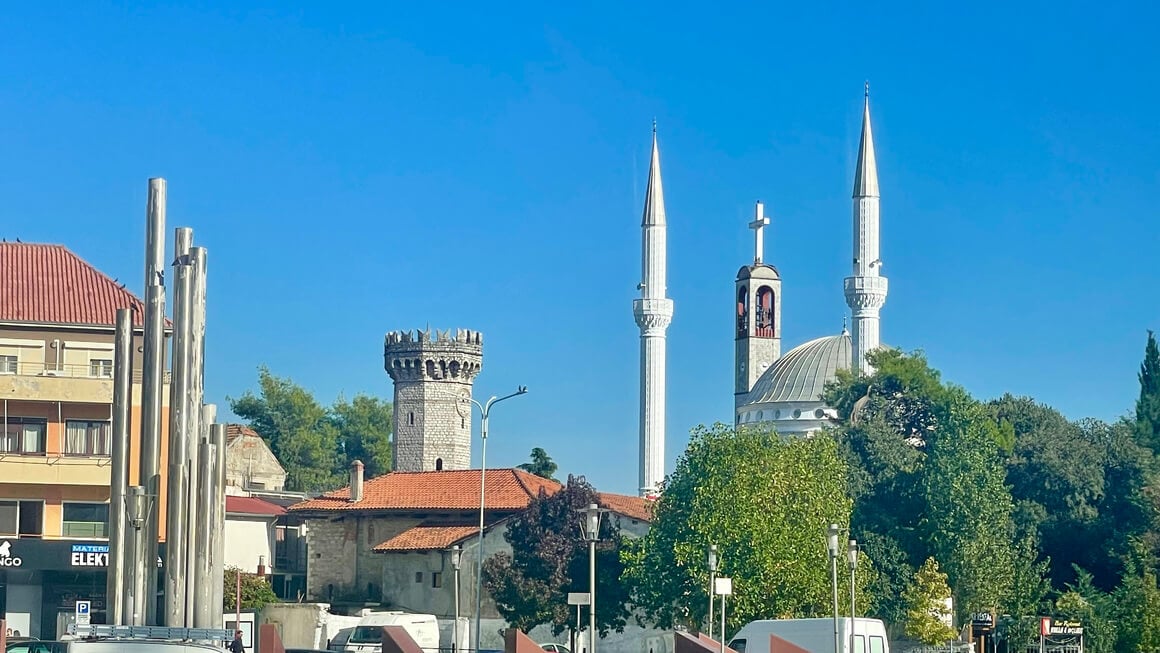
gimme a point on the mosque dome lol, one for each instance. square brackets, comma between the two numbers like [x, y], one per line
[802, 373]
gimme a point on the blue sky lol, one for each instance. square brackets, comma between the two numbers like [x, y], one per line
[362, 168]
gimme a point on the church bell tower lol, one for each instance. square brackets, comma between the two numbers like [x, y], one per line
[758, 314]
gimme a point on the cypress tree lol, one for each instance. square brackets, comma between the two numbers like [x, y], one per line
[1148, 405]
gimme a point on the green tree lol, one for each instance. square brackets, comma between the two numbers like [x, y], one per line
[541, 465]
[1138, 600]
[1148, 405]
[1083, 601]
[765, 502]
[298, 429]
[927, 613]
[550, 559]
[364, 432]
[968, 520]
[256, 591]
[1056, 474]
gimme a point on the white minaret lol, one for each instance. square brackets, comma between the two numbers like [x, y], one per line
[866, 289]
[653, 312]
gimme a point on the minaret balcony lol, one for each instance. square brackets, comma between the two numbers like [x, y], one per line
[865, 292]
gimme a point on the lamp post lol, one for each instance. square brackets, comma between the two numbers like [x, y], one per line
[832, 548]
[591, 525]
[485, 410]
[852, 555]
[456, 558]
[712, 577]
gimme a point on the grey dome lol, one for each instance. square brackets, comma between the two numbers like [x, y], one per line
[801, 374]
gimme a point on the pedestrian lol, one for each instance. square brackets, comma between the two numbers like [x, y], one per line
[236, 646]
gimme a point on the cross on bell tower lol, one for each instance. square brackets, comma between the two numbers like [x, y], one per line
[758, 227]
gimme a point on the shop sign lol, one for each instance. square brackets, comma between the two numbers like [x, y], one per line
[89, 555]
[6, 557]
[1062, 627]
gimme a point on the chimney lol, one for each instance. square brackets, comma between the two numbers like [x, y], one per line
[356, 481]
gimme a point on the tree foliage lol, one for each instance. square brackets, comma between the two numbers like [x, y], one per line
[541, 464]
[1148, 404]
[316, 444]
[256, 591]
[364, 432]
[927, 612]
[765, 502]
[550, 559]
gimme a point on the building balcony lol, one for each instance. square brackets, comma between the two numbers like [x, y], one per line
[41, 469]
[91, 383]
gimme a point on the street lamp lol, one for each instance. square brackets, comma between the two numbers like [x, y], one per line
[456, 559]
[712, 577]
[485, 410]
[832, 548]
[591, 525]
[852, 556]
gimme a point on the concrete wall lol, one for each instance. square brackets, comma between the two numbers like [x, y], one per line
[250, 464]
[246, 539]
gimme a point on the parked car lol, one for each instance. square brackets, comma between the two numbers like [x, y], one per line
[555, 648]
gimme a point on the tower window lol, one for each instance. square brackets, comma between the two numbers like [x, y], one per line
[411, 418]
[462, 422]
[743, 312]
[763, 325]
[438, 464]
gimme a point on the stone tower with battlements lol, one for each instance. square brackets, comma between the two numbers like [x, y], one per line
[433, 374]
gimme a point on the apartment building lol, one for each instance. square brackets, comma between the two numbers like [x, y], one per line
[56, 384]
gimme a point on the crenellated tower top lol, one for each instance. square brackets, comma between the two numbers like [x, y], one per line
[433, 374]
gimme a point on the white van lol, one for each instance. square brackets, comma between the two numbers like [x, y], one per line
[367, 636]
[813, 635]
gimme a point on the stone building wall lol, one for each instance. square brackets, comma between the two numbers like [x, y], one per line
[343, 565]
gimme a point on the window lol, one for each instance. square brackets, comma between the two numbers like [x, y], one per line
[859, 644]
[101, 367]
[877, 644]
[85, 520]
[8, 364]
[418, 577]
[411, 419]
[85, 438]
[436, 579]
[21, 518]
[438, 464]
[738, 645]
[23, 435]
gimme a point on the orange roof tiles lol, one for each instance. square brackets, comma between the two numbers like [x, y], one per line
[235, 431]
[631, 507]
[427, 538]
[48, 284]
[507, 489]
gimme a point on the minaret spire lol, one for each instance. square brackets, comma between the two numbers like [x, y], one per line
[653, 313]
[866, 289]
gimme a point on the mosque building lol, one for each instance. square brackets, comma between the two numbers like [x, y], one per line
[785, 391]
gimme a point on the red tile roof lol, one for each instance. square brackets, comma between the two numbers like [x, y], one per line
[252, 506]
[427, 538]
[629, 506]
[507, 489]
[48, 284]
[235, 431]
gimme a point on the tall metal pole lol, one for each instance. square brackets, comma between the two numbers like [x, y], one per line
[176, 525]
[722, 642]
[485, 410]
[194, 409]
[217, 522]
[204, 612]
[119, 477]
[712, 578]
[153, 379]
[832, 549]
[135, 602]
[852, 552]
[479, 548]
[592, 630]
